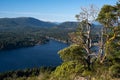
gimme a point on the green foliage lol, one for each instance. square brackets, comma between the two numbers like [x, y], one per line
[87, 73]
[111, 59]
[42, 73]
[66, 69]
[73, 63]
[74, 52]
[106, 15]
[115, 70]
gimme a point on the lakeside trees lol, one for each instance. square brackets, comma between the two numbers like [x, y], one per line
[12, 40]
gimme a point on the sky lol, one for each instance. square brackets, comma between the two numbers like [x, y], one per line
[47, 10]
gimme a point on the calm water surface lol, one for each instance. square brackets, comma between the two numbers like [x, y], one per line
[40, 55]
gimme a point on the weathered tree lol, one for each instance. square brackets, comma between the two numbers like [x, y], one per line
[118, 12]
[108, 16]
[82, 35]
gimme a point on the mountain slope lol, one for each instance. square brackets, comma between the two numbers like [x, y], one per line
[24, 22]
[68, 25]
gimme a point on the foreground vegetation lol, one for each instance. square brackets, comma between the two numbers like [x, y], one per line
[28, 74]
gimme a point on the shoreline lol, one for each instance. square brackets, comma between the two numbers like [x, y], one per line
[25, 46]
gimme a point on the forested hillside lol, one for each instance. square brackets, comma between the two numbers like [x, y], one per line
[24, 22]
[27, 31]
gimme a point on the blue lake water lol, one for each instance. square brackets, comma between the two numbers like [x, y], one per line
[30, 57]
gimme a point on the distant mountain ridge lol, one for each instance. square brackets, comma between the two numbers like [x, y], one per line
[25, 22]
[33, 22]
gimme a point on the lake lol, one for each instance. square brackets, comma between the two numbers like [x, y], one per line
[30, 57]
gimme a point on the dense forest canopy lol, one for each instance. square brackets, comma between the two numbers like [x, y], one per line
[28, 31]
